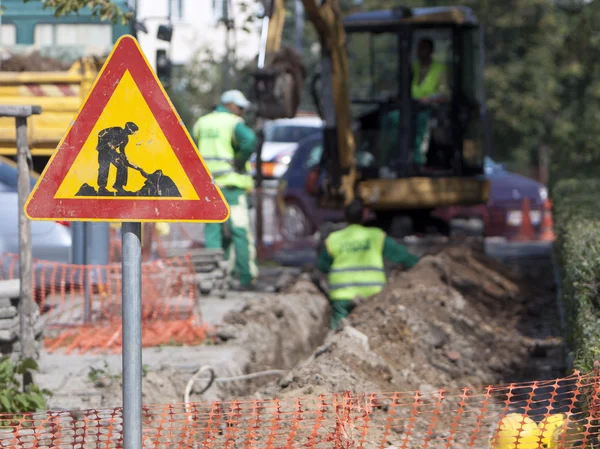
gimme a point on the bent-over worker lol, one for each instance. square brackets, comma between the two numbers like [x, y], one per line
[353, 259]
[226, 144]
[109, 140]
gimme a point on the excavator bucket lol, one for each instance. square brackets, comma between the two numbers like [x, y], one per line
[278, 86]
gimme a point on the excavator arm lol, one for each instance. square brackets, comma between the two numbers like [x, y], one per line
[339, 139]
[279, 86]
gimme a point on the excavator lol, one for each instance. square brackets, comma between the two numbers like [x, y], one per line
[402, 156]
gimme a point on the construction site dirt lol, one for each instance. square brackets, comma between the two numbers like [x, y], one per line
[457, 319]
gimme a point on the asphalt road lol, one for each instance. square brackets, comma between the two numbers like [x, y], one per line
[499, 248]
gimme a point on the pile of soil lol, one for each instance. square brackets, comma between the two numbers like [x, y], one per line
[33, 62]
[457, 319]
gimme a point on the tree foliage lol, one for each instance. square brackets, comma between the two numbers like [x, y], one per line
[104, 9]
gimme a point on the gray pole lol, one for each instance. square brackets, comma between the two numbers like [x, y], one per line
[132, 335]
[26, 305]
[227, 61]
[86, 274]
[299, 27]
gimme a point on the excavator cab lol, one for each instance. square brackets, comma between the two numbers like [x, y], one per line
[418, 110]
[417, 92]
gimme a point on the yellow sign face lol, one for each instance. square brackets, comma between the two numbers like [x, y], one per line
[127, 156]
[145, 149]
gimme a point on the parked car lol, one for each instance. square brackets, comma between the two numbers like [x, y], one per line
[301, 216]
[281, 140]
[50, 241]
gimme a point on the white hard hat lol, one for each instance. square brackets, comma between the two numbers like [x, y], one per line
[236, 97]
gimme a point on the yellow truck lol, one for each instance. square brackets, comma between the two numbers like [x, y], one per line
[60, 95]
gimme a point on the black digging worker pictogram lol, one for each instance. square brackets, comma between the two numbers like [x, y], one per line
[109, 141]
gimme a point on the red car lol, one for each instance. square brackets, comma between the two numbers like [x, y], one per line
[501, 216]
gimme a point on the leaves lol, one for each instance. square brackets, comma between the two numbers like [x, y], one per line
[577, 219]
[104, 9]
[12, 399]
[27, 365]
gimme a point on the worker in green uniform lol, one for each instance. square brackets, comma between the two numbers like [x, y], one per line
[226, 144]
[353, 260]
[428, 87]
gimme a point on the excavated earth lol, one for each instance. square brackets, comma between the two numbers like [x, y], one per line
[457, 319]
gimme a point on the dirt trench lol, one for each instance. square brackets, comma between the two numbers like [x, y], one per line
[457, 319]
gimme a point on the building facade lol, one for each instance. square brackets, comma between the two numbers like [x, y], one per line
[29, 26]
[197, 25]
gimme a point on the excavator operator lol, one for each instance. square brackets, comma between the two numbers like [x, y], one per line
[428, 87]
[353, 260]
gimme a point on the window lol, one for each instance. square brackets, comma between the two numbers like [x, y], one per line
[290, 134]
[95, 37]
[314, 156]
[373, 65]
[8, 34]
[472, 78]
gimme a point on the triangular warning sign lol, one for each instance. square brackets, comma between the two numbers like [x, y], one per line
[127, 155]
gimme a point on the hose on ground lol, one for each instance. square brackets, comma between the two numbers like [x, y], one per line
[213, 378]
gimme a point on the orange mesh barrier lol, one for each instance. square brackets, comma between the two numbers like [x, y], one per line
[169, 311]
[554, 414]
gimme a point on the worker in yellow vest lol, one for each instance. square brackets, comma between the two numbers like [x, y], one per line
[428, 75]
[353, 260]
[428, 87]
[226, 144]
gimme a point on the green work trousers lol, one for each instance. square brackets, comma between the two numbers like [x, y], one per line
[421, 129]
[389, 136]
[238, 234]
[340, 309]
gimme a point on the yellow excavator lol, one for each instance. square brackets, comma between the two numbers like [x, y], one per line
[402, 156]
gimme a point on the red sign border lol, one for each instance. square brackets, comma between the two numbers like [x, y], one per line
[211, 206]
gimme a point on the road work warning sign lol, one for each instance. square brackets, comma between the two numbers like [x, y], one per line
[127, 156]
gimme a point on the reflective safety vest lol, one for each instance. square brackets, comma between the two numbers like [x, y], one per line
[215, 133]
[357, 268]
[430, 84]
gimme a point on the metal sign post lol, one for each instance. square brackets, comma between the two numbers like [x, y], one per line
[131, 234]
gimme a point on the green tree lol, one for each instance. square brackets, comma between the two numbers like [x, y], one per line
[104, 9]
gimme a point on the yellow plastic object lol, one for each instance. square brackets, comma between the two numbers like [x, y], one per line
[162, 228]
[559, 432]
[550, 426]
[516, 431]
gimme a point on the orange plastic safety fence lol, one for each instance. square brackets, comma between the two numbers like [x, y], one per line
[169, 311]
[553, 414]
